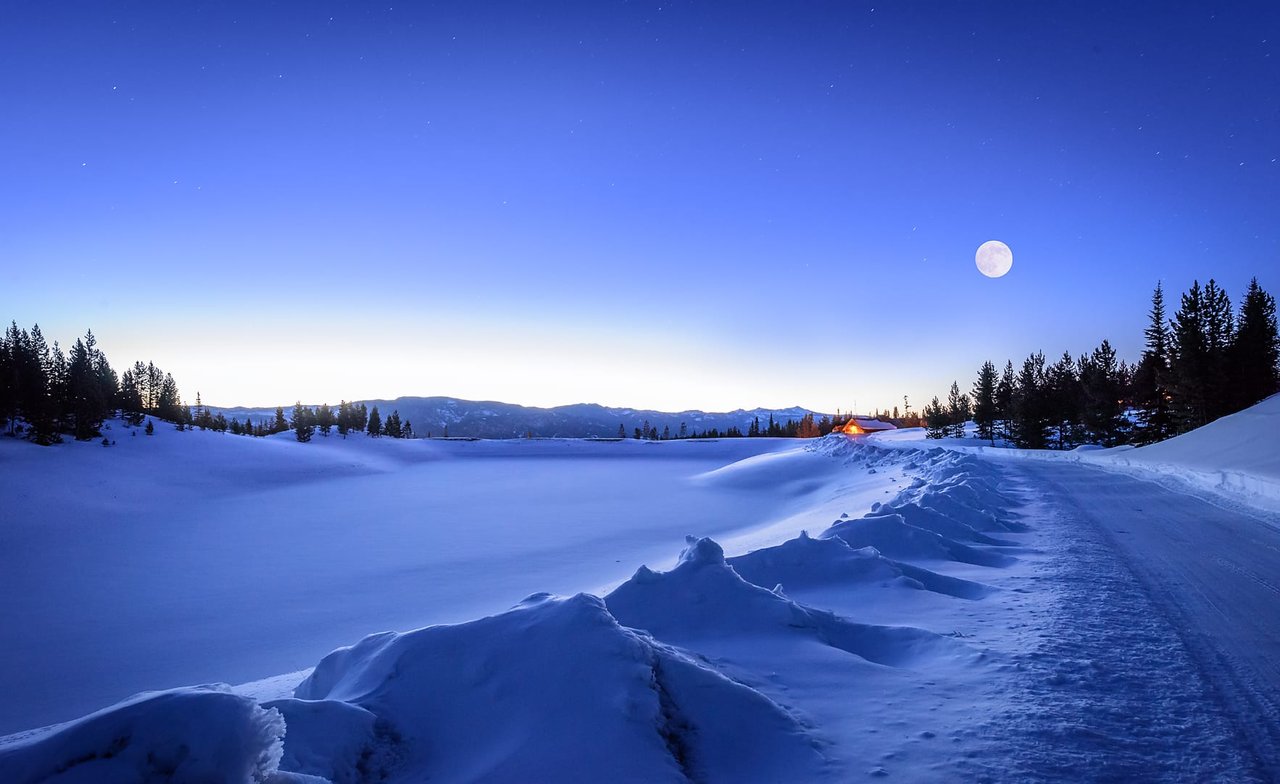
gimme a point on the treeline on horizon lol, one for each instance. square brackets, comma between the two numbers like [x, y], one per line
[55, 393]
[47, 393]
[1202, 364]
[805, 427]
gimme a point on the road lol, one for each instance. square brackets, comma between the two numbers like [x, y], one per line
[1207, 572]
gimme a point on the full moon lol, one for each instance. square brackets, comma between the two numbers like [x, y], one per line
[994, 258]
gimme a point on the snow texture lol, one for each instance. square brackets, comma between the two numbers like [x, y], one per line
[200, 734]
[1027, 618]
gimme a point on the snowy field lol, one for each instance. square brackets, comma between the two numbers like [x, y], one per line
[946, 617]
[197, 556]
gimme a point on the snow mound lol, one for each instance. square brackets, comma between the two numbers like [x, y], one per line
[704, 599]
[806, 562]
[931, 519]
[552, 690]
[790, 473]
[854, 451]
[982, 518]
[892, 535]
[196, 734]
[335, 741]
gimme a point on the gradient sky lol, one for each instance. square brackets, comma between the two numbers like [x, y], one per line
[667, 205]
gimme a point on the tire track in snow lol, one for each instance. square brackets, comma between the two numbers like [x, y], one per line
[1180, 607]
[1113, 689]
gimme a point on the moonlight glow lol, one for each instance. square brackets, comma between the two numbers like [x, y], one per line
[994, 258]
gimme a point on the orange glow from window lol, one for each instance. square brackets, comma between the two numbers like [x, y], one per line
[852, 429]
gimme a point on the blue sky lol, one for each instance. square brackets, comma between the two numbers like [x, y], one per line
[667, 205]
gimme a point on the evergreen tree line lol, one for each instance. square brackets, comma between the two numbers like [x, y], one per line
[346, 418]
[1202, 364]
[56, 393]
[805, 427]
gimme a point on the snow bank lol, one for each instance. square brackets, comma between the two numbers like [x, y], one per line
[1238, 454]
[704, 598]
[932, 519]
[199, 734]
[1234, 456]
[553, 690]
[806, 562]
[944, 513]
[892, 535]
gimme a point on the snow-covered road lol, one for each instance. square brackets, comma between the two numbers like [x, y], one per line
[1175, 603]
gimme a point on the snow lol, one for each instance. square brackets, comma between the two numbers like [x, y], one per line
[200, 557]
[205, 734]
[1234, 458]
[1237, 454]
[961, 614]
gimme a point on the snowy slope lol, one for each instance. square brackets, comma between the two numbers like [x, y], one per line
[1239, 453]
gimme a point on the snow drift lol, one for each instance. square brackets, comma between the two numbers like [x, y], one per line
[199, 734]
[1237, 454]
[806, 562]
[553, 690]
[703, 599]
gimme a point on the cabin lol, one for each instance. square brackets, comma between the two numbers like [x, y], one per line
[862, 425]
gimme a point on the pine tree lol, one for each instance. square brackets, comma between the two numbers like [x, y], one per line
[984, 402]
[958, 411]
[1030, 410]
[375, 424]
[1219, 335]
[937, 423]
[1192, 363]
[324, 419]
[622, 431]
[280, 425]
[1004, 402]
[38, 404]
[1254, 356]
[86, 399]
[8, 397]
[391, 427]
[302, 422]
[169, 403]
[1062, 398]
[155, 379]
[1101, 381]
[1153, 377]
[344, 418]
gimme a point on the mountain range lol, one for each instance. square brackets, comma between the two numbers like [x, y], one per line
[439, 416]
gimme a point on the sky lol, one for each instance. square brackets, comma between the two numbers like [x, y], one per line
[666, 205]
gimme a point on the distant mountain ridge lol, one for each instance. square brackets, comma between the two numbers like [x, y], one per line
[492, 419]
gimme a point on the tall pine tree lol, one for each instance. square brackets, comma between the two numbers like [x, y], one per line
[1153, 377]
[984, 402]
[1254, 356]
